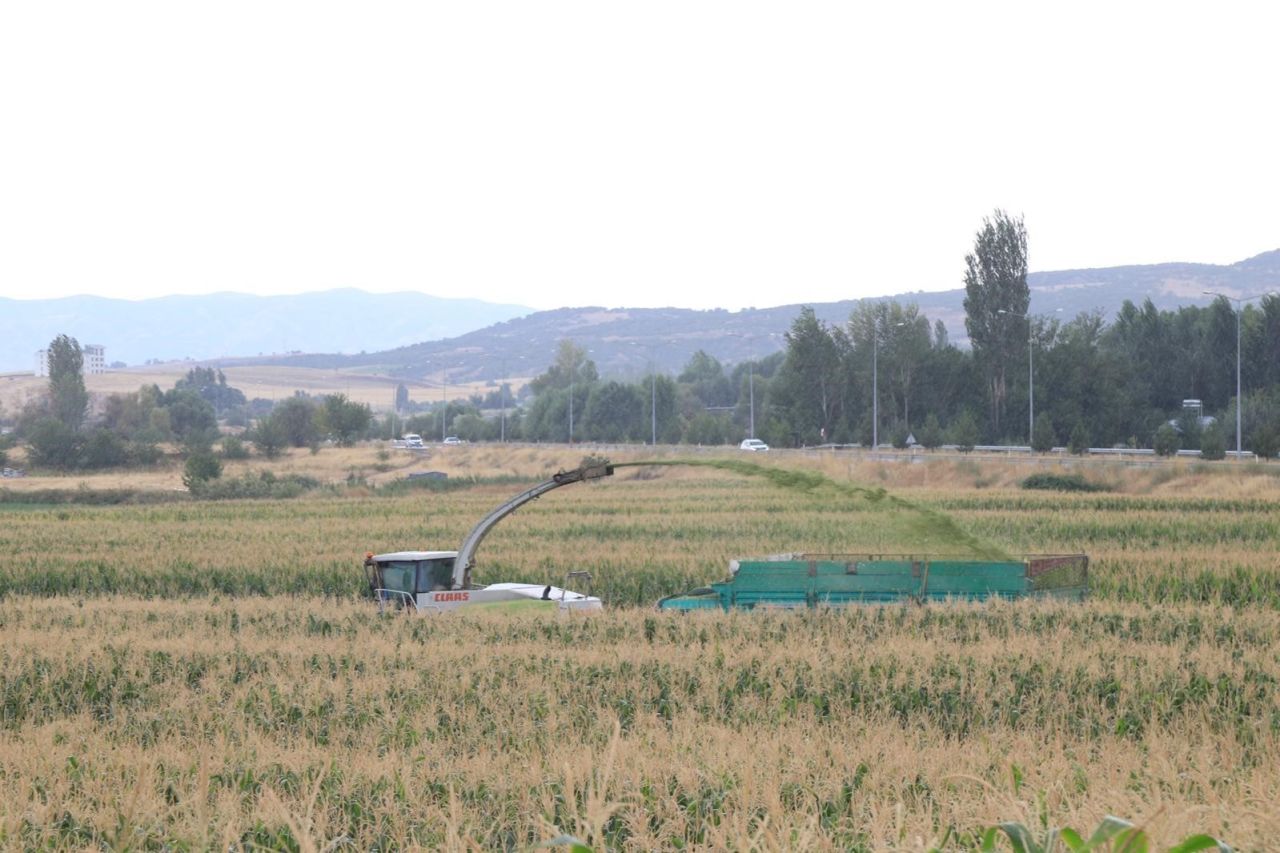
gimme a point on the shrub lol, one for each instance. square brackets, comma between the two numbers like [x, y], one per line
[269, 437]
[1043, 438]
[1166, 442]
[931, 433]
[233, 448]
[1061, 483]
[200, 468]
[1079, 441]
[265, 485]
[104, 449]
[142, 452]
[1266, 441]
[964, 432]
[1213, 444]
[53, 444]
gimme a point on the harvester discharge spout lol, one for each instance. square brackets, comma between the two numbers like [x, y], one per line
[467, 552]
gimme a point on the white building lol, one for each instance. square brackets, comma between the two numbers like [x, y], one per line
[95, 360]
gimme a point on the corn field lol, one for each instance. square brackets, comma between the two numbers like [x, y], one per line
[194, 674]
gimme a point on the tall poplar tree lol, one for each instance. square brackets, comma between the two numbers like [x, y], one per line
[996, 301]
[67, 396]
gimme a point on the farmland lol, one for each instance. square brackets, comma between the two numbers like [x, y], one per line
[204, 673]
[267, 382]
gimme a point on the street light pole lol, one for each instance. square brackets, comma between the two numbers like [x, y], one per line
[573, 370]
[1031, 377]
[875, 386]
[1239, 301]
[1031, 385]
[444, 395]
[875, 383]
[653, 404]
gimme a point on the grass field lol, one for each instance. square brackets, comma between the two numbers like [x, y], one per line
[265, 381]
[204, 673]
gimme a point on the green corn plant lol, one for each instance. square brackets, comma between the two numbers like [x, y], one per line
[1113, 835]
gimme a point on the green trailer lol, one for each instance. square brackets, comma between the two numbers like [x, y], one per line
[835, 580]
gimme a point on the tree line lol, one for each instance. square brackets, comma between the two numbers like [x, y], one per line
[60, 432]
[891, 374]
[888, 374]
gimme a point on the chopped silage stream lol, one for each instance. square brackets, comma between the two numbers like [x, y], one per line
[928, 525]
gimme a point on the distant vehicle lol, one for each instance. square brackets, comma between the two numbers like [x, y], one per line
[412, 439]
[453, 439]
[753, 444]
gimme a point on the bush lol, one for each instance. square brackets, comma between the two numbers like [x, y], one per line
[1190, 431]
[200, 468]
[931, 433]
[1266, 441]
[233, 448]
[53, 444]
[265, 485]
[88, 497]
[143, 452]
[1213, 444]
[1061, 483]
[104, 449]
[964, 432]
[1166, 441]
[269, 437]
[1043, 437]
[1079, 441]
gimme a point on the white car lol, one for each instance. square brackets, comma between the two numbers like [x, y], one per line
[753, 444]
[453, 439]
[412, 439]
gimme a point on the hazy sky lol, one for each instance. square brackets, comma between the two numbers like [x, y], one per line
[656, 153]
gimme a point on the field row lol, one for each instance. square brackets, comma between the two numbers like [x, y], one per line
[879, 727]
[644, 534]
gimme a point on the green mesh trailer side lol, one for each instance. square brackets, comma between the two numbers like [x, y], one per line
[780, 584]
[973, 581]
[706, 601]
[841, 581]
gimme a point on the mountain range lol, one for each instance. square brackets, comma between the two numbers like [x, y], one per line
[420, 336]
[220, 325]
[626, 341]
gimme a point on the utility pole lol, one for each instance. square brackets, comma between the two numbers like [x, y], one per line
[653, 404]
[1239, 301]
[875, 386]
[875, 383]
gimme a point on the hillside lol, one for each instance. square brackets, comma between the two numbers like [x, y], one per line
[624, 341]
[237, 324]
[414, 336]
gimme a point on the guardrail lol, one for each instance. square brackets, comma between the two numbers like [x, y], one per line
[917, 450]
